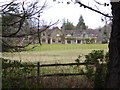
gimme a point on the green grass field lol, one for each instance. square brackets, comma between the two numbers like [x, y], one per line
[54, 53]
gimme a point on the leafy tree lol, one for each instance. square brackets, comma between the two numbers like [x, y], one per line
[81, 24]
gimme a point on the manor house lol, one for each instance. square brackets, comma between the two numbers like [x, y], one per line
[60, 36]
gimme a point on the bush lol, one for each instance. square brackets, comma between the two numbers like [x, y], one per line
[96, 72]
[13, 72]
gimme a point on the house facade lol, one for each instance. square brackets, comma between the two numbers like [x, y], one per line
[60, 36]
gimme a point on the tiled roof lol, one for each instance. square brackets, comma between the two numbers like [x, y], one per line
[73, 32]
[49, 31]
[78, 32]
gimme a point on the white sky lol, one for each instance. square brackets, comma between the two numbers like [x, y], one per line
[73, 11]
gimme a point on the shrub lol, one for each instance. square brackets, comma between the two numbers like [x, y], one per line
[96, 72]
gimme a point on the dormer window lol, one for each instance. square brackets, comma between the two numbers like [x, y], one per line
[68, 35]
[58, 35]
[85, 36]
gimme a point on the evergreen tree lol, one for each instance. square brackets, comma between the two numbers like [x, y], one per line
[15, 22]
[81, 25]
[68, 25]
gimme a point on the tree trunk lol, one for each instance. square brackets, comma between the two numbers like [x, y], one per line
[113, 76]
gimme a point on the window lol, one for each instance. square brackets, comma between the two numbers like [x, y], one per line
[78, 41]
[43, 34]
[69, 41]
[58, 35]
[43, 40]
[68, 34]
[85, 36]
[53, 40]
[59, 40]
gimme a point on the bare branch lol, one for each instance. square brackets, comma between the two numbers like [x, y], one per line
[11, 46]
[33, 33]
[105, 4]
[85, 6]
[49, 26]
[98, 3]
[7, 5]
[21, 12]
[20, 26]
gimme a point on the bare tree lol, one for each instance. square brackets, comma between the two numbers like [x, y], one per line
[16, 23]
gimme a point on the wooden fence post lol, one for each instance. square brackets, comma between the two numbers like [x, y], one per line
[38, 68]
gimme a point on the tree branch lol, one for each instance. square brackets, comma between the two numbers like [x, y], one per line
[11, 46]
[85, 6]
[32, 33]
[20, 26]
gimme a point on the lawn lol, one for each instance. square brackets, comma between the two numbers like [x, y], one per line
[45, 54]
[54, 53]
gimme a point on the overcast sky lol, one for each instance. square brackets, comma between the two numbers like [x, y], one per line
[73, 11]
[60, 11]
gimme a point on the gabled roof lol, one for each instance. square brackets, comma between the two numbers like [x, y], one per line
[73, 32]
[49, 31]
